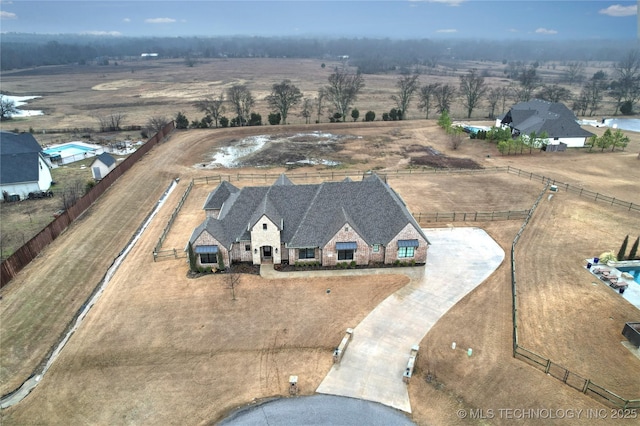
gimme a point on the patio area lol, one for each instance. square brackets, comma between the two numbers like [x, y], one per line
[619, 281]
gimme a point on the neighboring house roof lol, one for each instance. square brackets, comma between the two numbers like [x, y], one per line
[310, 215]
[539, 116]
[105, 159]
[19, 158]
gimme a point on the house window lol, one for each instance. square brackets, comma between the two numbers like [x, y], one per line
[376, 248]
[345, 254]
[406, 248]
[264, 226]
[247, 247]
[346, 229]
[406, 251]
[555, 139]
[207, 253]
[306, 253]
[208, 258]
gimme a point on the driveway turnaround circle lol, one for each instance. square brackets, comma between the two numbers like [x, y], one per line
[318, 410]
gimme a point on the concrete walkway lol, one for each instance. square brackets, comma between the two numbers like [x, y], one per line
[459, 259]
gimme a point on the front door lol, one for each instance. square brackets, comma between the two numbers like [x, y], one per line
[266, 252]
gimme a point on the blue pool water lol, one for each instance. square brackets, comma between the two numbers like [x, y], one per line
[635, 271]
[68, 150]
[476, 129]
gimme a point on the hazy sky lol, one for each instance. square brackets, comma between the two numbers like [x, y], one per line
[495, 19]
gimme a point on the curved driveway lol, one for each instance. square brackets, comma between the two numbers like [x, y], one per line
[459, 260]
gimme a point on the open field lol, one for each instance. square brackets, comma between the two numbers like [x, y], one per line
[74, 96]
[164, 349]
[159, 347]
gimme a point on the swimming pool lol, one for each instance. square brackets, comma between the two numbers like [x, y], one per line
[633, 270]
[476, 129]
[71, 151]
[68, 148]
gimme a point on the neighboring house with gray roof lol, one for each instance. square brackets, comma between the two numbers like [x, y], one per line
[102, 165]
[540, 116]
[23, 168]
[329, 223]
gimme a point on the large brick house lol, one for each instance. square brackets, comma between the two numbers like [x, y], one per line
[330, 223]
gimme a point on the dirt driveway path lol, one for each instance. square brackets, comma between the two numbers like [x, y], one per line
[459, 260]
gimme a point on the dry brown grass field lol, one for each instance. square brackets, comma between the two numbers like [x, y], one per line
[161, 348]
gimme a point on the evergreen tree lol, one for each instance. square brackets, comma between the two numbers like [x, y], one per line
[444, 121]
[623, 248]
[192, 258]
[181, 121]
[633, 253]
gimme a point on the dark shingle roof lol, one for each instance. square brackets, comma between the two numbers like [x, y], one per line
[540, 116]
[216, 199]
[311, 214]
[106, 159]
[19, 155]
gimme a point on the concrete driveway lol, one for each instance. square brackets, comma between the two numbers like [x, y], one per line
[459, 259]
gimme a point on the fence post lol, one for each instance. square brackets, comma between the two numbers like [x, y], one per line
[475, 218]
[175, 254]
[596, 199]
[586, 386]
[546, 369]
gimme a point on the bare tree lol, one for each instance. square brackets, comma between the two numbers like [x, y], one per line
[455, 137]
[554, 93]
[111, 122]
[493, 97]
[213, 107]
[406, 85]
[319, 100]
[626, 87]
[444, 97]
[575, 72]
[529, 82]
[71, 193]
[7, 108]
[427, 97]
[593, 92]
[156, 123]
[232, 279]
[343, 90]
[472, 88]
[506, 93]
[307, 108]
[284, 96]
[242, 100]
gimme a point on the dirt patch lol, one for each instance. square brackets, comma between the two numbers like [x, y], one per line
[284, 149]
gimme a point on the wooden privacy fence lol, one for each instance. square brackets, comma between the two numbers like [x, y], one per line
[25, 254]
[561, 373]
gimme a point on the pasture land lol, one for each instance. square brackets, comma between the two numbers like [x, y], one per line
[161, 348]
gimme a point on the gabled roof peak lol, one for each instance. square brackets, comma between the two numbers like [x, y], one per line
[282, 180]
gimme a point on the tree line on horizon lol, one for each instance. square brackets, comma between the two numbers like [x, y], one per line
[369, 55]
